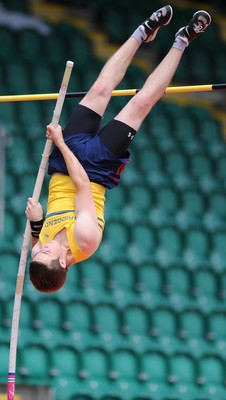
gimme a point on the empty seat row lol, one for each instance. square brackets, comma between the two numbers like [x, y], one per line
[138, 275]
[120, 372]
[162, 324]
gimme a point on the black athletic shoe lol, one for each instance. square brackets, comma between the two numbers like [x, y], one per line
[198, 24]
[159, 18]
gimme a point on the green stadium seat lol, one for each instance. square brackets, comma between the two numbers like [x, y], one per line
[182, 73]
[123, 373]
[19, 147]
[11, 187]
[17, 74]
[192, 147]
[218, 251]
[169, 247]
[216, 332]
[192, 331]
[136, 327]
[65, 387]
[142, 142]
[121, 282]
[192, 209]
[220, 168]
[114, 24]
[30, 45]
[77, 323]
[208, 184]
[183, 181]
[150, 162]
[185, 130]
[30, 113]
[149, 285]
[142, 245]
[26, 186]
[43, 79]
[138, 204]
[10, 226]
[48, 316]
[177, 287]
[26, 333]
[92, 280]
[9, 263]
[106, 326]
[55, 49]
[131, 176]
[4, 356]
[71, 286]
[216, 212]
[153, 375]
[205, 289]
[81, 49]
[200, 67]
[93, 372]
[1, 313]
[18, 159]
[64, 362]
[176, 162]
[196, 249]
[116, 201]
[219, 63]
[200, 166]
[210, 129]
[33, 367]
[222, 287]
[160, 127]
[211, 376]
[166, 206]
[115, 241]
[164, 328]
[215, 149]
[8, 50]
[182, 375]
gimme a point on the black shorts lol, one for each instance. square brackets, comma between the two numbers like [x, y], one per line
[116, 135]
[94, 149]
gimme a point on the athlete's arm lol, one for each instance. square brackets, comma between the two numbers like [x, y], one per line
[86, 231]
[34, 214]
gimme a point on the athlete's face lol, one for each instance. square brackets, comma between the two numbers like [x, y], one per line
[49, 251]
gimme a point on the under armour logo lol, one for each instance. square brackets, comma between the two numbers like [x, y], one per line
[130, 136]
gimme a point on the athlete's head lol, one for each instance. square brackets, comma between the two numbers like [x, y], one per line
[48, 268]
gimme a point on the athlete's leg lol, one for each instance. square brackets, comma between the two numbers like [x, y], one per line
[114, 70]
[140, 105]
[118, 134]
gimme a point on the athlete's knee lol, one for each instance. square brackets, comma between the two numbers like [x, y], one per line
[143, 103]
[100, 88]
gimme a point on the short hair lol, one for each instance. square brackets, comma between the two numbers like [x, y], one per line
[47, 278]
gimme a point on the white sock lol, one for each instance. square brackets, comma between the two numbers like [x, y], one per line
[139, 34]
[180, 43]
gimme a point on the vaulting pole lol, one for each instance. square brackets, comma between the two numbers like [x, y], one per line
[27, 234]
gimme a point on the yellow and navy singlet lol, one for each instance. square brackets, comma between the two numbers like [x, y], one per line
[61, 211]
